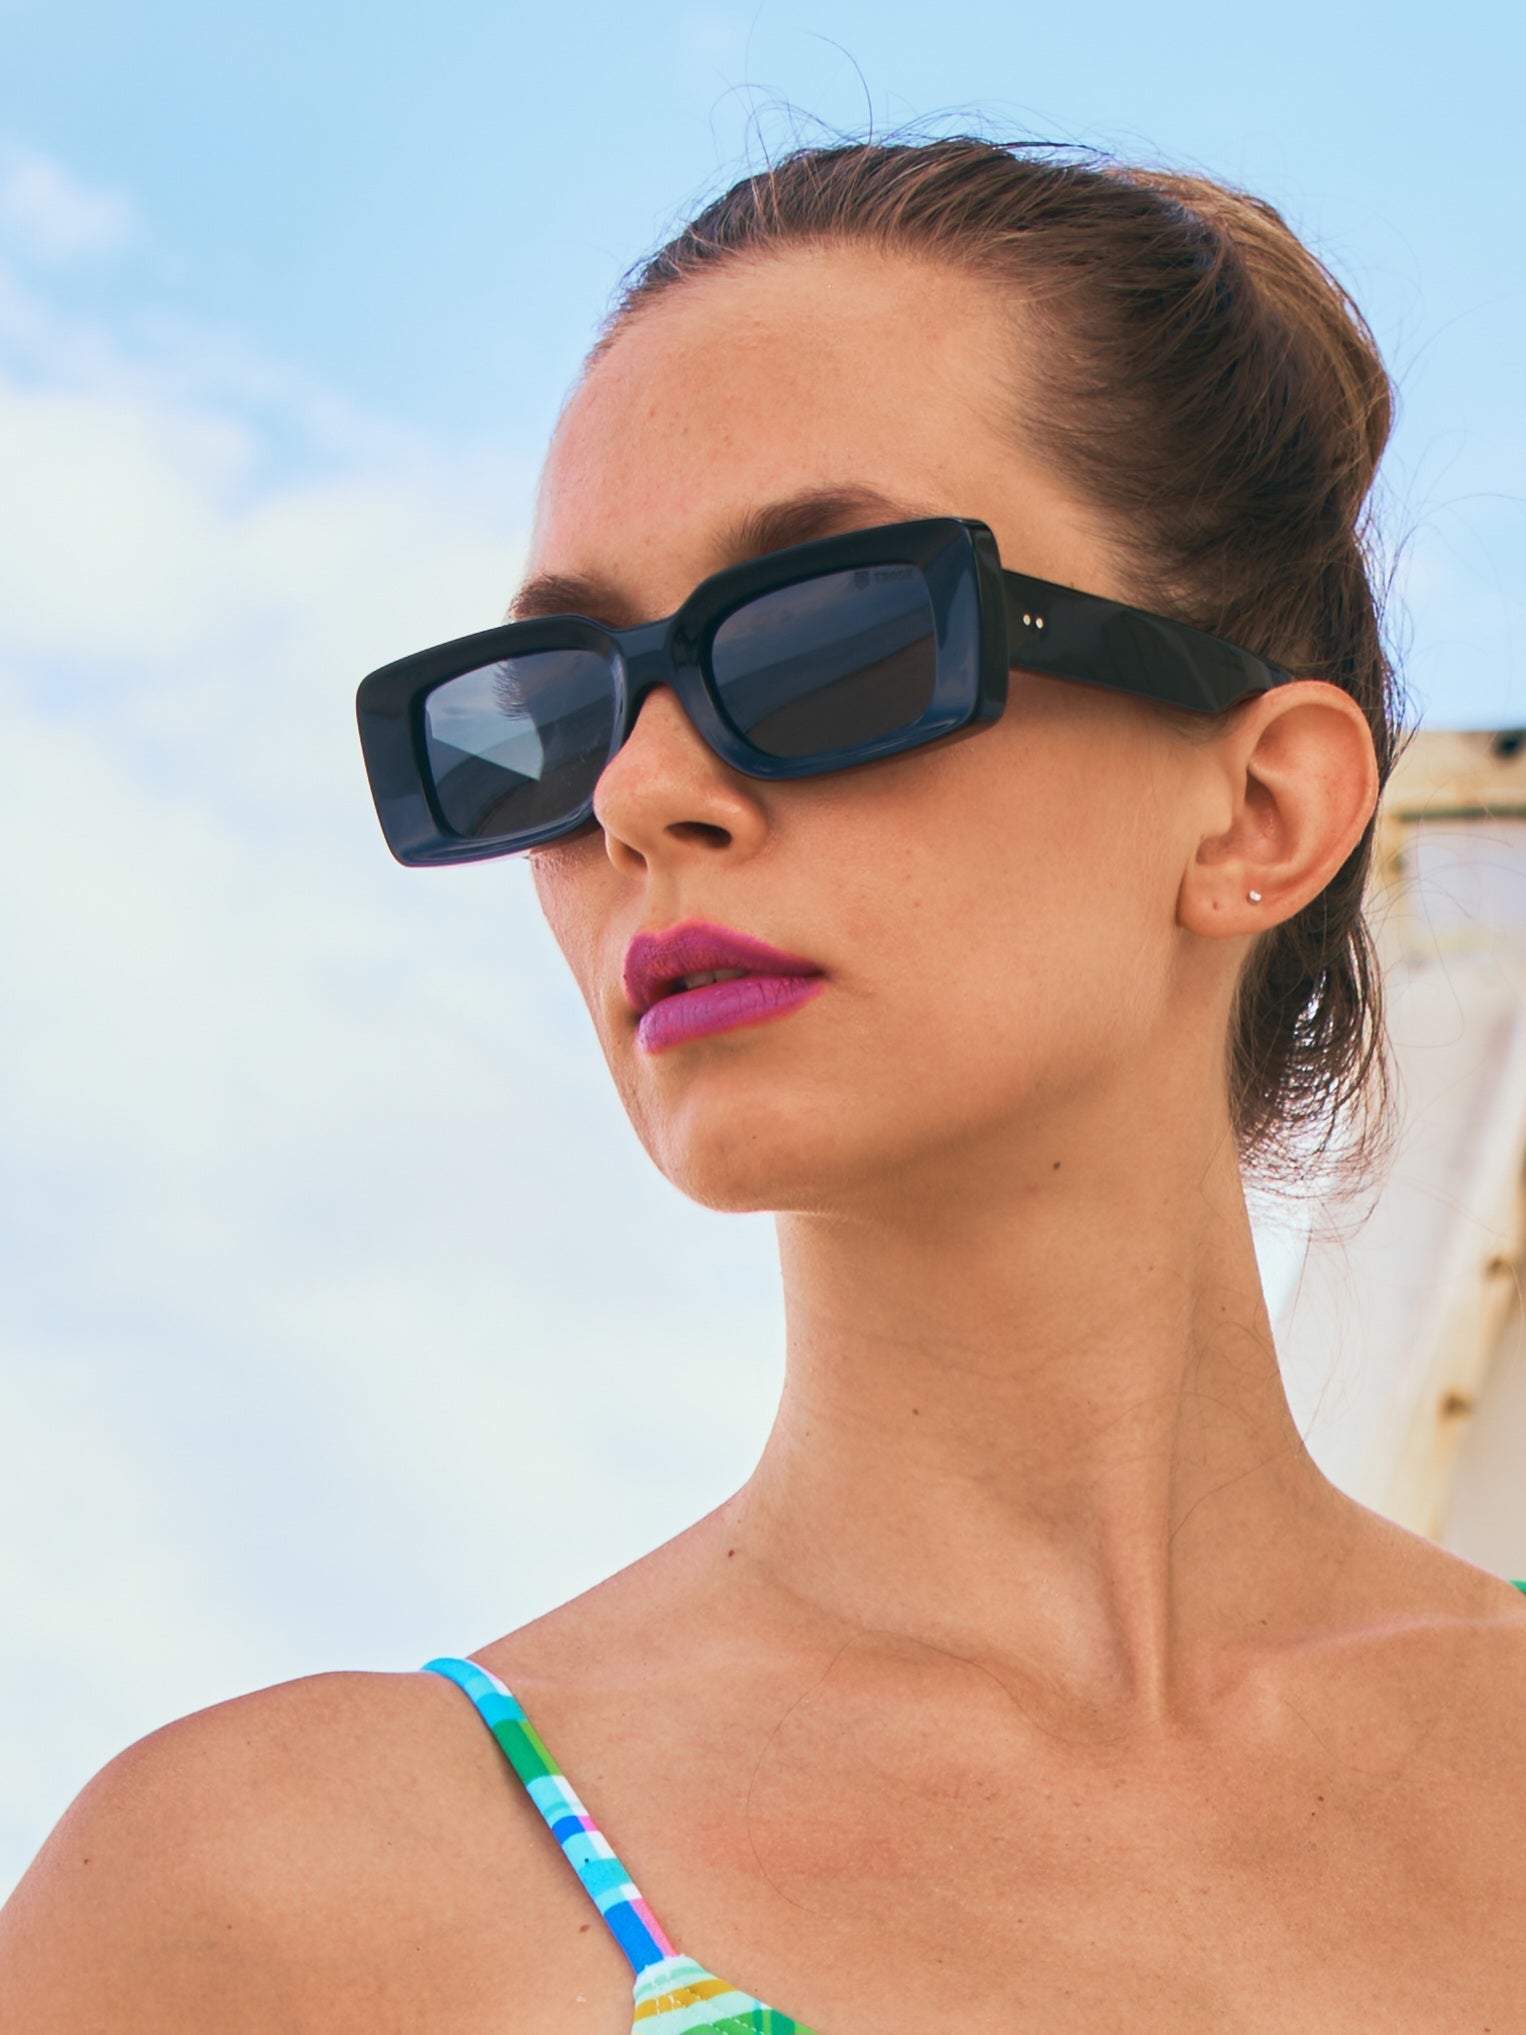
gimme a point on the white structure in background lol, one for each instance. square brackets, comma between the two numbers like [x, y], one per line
[1404, 1346]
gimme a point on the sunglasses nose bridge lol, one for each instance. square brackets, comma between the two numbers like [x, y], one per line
[648, 664]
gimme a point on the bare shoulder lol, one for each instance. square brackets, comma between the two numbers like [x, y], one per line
[1446, 1760]
[339, 1852]
[1481, 1666]
[1426, 1678]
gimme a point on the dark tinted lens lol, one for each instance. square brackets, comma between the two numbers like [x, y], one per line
[520, 744]
[830, 661]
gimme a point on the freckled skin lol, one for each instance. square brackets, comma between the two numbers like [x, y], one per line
[698, 412]
[1035, 1666]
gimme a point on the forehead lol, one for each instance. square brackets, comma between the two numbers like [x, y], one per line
[810, 371]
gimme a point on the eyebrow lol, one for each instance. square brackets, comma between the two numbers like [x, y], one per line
[774, 526]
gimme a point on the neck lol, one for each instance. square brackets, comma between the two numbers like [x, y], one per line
[1043, 1423]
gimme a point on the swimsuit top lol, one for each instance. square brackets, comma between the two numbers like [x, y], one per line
[673, 1994]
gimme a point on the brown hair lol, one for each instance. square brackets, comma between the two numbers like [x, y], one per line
[1215, 391]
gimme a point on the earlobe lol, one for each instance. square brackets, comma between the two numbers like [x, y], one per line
[1301, 778]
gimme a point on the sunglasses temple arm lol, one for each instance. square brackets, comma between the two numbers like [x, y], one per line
[1059, 632]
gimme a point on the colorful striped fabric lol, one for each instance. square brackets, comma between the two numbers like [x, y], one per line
[673, 1994]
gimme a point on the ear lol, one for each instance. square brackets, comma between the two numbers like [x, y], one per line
[1296, 774]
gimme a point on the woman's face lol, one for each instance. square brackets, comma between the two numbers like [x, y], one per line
[995, 913]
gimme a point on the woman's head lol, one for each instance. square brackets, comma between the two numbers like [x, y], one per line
[1148, 389]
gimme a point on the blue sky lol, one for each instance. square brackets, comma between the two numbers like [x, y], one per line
[421, 214]
[343, 1319]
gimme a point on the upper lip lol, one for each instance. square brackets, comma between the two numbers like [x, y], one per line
[654, 962]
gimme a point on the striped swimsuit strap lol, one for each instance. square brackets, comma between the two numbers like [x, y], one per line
[672, 1994]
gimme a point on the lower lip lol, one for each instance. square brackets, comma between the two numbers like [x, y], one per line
[722, 1007]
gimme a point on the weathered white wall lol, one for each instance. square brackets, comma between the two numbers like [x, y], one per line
[1403, 1339]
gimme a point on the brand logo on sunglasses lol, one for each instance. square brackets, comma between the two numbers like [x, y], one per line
[870, 575]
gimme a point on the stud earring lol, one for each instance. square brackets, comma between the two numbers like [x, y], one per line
[1254, 896]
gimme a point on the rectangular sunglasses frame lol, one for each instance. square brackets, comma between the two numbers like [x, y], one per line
[987, 621]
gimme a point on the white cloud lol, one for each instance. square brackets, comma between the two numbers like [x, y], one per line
[344, 1318]
[47, 212]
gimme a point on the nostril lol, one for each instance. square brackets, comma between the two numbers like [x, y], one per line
[701, 831]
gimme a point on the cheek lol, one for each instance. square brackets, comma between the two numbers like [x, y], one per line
[1030, 886]
[570, 880]
[579, 894]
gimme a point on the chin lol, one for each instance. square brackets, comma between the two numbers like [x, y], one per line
[739, 1160]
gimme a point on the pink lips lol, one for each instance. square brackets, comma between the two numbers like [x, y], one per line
[774, 982]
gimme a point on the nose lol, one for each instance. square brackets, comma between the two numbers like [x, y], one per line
[665, 795]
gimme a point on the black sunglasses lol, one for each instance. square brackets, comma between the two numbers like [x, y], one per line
[807, 660]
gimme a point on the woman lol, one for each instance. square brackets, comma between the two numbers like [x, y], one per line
[1036, 1680]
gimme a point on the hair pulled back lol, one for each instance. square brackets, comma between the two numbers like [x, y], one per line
[1208, 385]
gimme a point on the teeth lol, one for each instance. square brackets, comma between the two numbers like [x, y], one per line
[707, 976]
